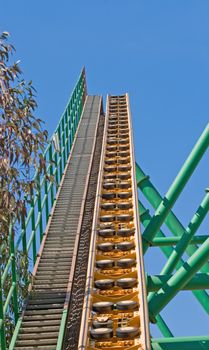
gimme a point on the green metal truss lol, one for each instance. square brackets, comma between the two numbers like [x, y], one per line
[190, 275]
[176, 275]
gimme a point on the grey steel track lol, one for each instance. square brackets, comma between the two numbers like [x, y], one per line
[42, 316]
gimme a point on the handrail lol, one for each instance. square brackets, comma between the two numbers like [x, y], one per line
[31, 231]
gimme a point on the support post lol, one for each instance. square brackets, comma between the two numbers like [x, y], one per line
[179, 280]
[176, 188]
[187, 236]
[171, 221]
[163, 327]
[200, 295]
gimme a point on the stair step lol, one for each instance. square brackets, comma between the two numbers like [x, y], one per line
[44, 306]
[36, 342]
[44, 314]
[37, 336]
[39, 329]
[46, 301]
[38, 347]
[39, 295]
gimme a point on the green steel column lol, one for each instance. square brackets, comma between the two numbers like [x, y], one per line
[187, 236]
[176, 188]
[200, 295]
[179, 280]
[145, 219]
[154, 198]
[163, 327]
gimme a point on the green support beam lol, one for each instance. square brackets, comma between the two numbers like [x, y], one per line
[170, 241]
[185, 239]
[163, 327]
[174, 225]
[198, 282]
[145, 218]
[179, 280]
[176, 188]
[181, 343]
[187, 236]
[171, 221]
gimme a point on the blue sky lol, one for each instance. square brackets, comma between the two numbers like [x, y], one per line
[158, 51]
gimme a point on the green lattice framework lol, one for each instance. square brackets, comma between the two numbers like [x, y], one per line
[176, 275]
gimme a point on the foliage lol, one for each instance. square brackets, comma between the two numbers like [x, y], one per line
[22, 141]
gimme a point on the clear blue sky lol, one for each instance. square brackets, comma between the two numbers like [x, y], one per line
[158, 51]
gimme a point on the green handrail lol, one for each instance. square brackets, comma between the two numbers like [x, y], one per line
[42, 200]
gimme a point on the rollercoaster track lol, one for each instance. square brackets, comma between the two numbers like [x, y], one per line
[45, 314]
[115, 312]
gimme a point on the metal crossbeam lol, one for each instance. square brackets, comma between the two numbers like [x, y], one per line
[181, 343]
[197, 282]
[176, 188]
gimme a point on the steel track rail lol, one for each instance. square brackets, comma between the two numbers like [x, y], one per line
[115, 309]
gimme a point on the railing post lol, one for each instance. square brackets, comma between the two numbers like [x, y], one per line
[33, 224]
[39, 209]
[14, 276]
[2, 327]
[51, 174]
[60, 153]
[47, 200]
[67, 132]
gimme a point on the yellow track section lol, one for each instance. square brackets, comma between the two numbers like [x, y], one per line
[115, 310]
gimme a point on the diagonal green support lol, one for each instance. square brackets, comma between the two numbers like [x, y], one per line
[176, 188]
[172, 222]
[154, 198]
[187, 236]
[200, 295]
[163, 327]
[185, 239]
[179, 280]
